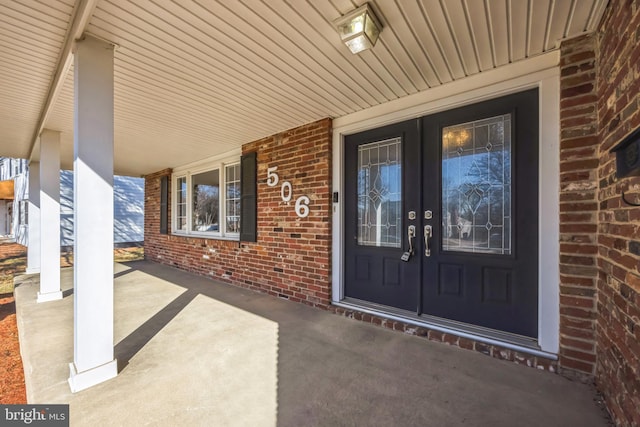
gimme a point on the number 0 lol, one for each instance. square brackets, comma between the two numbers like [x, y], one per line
[286, 191]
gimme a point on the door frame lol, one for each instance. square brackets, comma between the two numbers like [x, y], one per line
[542, 72]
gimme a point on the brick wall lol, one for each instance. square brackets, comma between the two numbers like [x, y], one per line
[618, 315]
[578, 205]
[292, 256]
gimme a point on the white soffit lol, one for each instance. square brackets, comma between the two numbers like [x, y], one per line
[195, 79]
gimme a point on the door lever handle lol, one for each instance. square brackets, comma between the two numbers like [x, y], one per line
[411, 231]
[411, 234]
[428, 233]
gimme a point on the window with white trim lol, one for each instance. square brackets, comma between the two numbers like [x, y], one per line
[207, 201]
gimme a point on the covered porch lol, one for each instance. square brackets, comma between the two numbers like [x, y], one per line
[196, 352]
[246, 117]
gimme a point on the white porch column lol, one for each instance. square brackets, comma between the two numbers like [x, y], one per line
[49, 216]
[93, 359]
[33, 248]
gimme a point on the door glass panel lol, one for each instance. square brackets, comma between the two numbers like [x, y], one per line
[380, 193]
[476, 186]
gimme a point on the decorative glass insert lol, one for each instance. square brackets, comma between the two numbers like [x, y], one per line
[206, 201]
[232, 184]
[380, 193]
[476, 186]
[181, 205]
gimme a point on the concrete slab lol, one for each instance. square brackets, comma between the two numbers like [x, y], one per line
[192, 351]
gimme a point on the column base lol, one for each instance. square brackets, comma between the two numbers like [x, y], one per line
[33, 270]
[49, 296]
[79, 381]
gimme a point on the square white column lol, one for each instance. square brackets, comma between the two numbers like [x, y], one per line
[49, 216]
[93, 359]
[33, 242]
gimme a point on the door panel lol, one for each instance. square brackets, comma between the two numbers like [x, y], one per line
[470, 178]
[484, 260]
[383, 169]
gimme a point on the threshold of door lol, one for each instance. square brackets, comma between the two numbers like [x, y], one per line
[506, 340]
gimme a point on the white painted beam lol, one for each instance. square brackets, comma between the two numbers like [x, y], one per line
[33, 248]
[80, 17]
[49, 216]
[93, 359]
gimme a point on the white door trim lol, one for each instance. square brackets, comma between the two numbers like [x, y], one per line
[541, 72]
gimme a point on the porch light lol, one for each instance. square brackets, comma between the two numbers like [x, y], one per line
[359, 29]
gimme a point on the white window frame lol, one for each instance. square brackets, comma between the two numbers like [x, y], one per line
[188, 172]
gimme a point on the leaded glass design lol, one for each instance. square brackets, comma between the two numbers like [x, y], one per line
[379, 193]
[476, 186]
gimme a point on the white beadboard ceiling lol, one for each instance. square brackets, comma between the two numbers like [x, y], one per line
[195, 79]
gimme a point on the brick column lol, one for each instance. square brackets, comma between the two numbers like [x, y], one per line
[618, 322]
[578, 205]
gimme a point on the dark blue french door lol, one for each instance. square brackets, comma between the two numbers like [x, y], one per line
[441, 215]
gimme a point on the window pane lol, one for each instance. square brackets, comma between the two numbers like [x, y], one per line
[380, 193]
[206, 201]
[232, 195]
[181, 204]
[476, 186]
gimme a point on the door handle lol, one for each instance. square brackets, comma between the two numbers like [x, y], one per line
[411, 231]
[411, 234]
[428, 233]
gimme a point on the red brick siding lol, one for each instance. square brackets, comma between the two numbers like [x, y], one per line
[292, 257]
[618, 314]
[578, 205]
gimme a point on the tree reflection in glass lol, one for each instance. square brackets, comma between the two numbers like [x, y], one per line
[476, 186]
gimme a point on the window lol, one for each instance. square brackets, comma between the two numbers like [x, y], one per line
[181, 211]
[233, 197]
[207, 201]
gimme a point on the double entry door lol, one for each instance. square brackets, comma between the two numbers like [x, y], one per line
[441, 215]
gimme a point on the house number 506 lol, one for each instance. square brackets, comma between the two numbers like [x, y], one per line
[286, 192]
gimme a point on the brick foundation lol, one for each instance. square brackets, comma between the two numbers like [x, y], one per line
[450, 339]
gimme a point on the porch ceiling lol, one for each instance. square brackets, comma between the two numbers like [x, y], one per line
[195, 79]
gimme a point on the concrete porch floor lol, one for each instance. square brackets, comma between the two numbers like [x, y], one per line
[195, 352]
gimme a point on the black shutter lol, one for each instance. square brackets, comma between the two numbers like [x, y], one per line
[164, 201]
[249, 198]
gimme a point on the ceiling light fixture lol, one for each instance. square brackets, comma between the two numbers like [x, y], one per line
[359, 29]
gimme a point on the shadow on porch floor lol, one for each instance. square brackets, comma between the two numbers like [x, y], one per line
[192, 351]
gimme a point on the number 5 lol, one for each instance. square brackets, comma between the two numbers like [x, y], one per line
[272, 176]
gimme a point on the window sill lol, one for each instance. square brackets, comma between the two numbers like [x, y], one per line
[209, 236]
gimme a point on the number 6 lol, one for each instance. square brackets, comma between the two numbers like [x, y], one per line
[302, 206]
